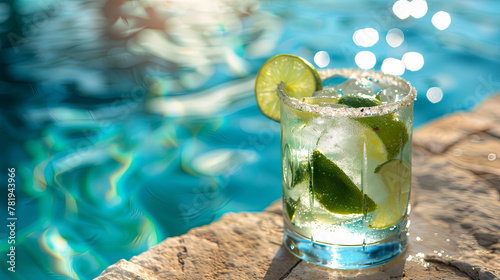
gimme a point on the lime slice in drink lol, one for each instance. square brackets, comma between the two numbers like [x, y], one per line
[335, 191]
[391, 131]
[396, 176]
[344, 139]
[291, 207]
[300, 174]
[299, 78]
[357, 101]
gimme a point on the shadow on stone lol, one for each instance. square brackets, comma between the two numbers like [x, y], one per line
[281, 265]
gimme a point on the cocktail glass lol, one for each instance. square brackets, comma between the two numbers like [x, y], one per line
[346, 176]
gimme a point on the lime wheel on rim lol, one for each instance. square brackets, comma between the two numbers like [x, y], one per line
[297, 75]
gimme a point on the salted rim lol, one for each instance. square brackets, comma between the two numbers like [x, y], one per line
[382, 79]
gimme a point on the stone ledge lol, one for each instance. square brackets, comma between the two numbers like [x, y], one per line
[454, 232]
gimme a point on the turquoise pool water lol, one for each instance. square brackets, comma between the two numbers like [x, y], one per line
[125, 129]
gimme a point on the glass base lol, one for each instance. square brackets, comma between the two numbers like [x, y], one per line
[348, 256]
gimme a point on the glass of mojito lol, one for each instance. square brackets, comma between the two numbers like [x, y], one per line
[346, 160]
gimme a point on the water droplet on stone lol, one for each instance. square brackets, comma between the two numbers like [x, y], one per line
[492, 157]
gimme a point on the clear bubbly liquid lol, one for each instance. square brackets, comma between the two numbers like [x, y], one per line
[341, 140]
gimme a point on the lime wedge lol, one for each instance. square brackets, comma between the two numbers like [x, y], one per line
[391, 131]
[300, 174]
[298, 76]
[334, 190]
[291, 207]
[376, 149]
[357, 101]
[396, 176]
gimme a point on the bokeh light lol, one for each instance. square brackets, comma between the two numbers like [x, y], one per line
[393, 66]
[418, 8]
[413, 61]
[434, 94]
[441, 20]
[395, 37]
[402, 9]
[365, 59]
[322, 59]
[366, 37]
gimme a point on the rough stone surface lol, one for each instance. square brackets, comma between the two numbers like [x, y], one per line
[480, 153]
[442, 133]
[454, 232]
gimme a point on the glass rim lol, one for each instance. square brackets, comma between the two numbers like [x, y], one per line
[382, 78]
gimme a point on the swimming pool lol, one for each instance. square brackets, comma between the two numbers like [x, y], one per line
[124, 132]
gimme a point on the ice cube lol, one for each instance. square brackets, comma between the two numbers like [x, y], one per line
[327, 92]
[306, 136]
[390, 94]
[364, 85]
[341, 142]
[304, 215]
[360, 86]
[345, 143]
